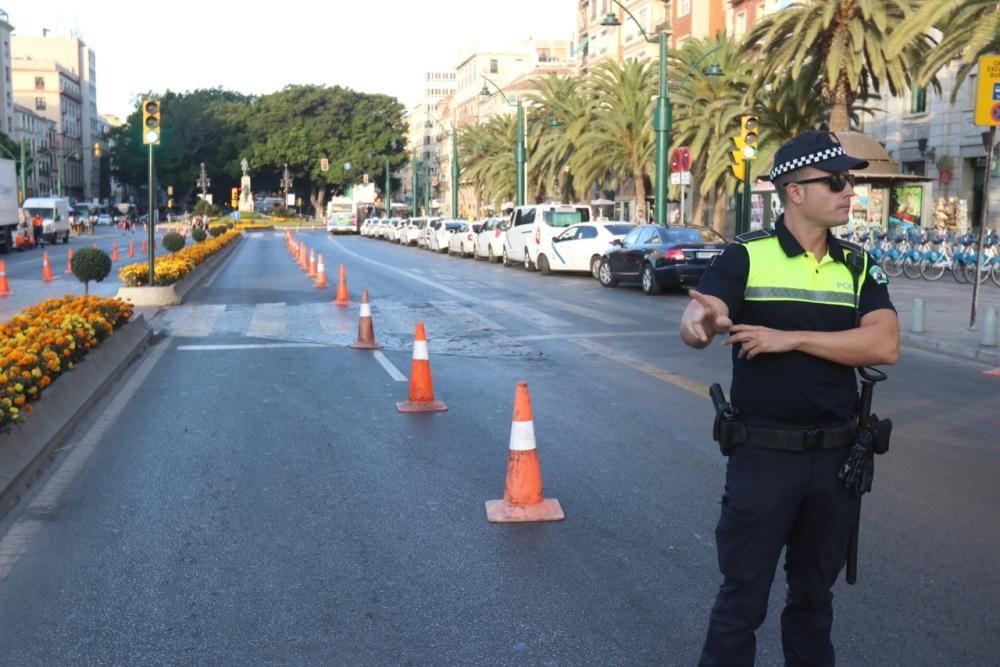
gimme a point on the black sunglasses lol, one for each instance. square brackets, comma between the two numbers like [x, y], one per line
[837, 182]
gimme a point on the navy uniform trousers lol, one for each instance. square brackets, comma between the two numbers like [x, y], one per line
[775, 499]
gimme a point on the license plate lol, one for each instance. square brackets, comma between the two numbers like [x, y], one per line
[706, 254]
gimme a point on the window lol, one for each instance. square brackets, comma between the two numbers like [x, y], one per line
[39, 83]
[918, 100]
[916, 167]
[588, 233]
[39, 102]
[494, 66]
[740, 24]
[630, 238]
[684, 8]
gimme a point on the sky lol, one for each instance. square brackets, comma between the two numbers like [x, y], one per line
[373, 46]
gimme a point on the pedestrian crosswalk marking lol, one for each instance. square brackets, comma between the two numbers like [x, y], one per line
[199, 323]
[268, 321]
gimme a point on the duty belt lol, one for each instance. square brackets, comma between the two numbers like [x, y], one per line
[794, 439]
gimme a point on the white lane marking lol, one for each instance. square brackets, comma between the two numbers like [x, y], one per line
[200, 322]
[19, 537]
[269, 320]
[389, 367]
[590, 313]
[613, 334]
[245, 346]
[669, 377]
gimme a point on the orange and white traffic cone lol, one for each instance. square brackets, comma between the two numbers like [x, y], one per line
[303, 257]
[69, 261]
[320, 274]
[343, 298]
[114, 251]
[131, 248]
[4, 285]
[46, 268]
[145, 250]
[311, 271]
[421, 385]
[366, 330]
[523, 500]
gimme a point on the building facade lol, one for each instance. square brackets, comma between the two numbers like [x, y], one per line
[39, 136]
[7, 123]
[57, 77]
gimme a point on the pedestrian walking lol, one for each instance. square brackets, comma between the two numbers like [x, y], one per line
[802, 310]
[37, 230]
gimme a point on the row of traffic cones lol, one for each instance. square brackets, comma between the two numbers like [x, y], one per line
[523, 500]
[314, 267]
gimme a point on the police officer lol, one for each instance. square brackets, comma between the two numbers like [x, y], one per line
[789, 300]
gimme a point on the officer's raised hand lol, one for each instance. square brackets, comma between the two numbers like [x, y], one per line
[754, 340]
[703, 318]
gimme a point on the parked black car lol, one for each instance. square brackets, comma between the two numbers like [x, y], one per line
[661, 257]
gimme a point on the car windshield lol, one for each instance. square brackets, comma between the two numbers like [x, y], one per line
[618, 230]
[476, 228]
[692, 235]
[453, 226]
[565, 218]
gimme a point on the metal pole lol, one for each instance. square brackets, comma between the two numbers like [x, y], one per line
[413, 168]
[519, 155]
[455, 171]
[681, 217]
[427, 187]
[982, 223]
[745, 222]
[24, 183]
[59, 164]
[661, 125]
[150, 225]
[388, 190]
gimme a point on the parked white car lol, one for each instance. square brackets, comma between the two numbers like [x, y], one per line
[440, 234]
[463, 241]
[412, 231]
[490, 240]
[580, 247]
[533, 227]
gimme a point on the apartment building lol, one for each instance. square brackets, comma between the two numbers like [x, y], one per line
[57, 77]
[39, 136]
[6, 83]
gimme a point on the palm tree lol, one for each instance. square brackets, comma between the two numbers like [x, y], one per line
[841, 46]
[556, 99]
[618, 139]
[970, 28]
[487, 156]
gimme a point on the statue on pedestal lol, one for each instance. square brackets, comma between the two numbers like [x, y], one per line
[246, 194]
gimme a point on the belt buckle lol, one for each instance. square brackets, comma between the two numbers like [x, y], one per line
[812, 440]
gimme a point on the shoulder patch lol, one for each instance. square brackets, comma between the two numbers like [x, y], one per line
[755, 235]
[878, 275]
[850, 245]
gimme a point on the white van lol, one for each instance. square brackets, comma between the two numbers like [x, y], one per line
[532, 227]
[55, 216]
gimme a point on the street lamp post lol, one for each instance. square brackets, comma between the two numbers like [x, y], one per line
[661, 117]
[413, 170]
[455, 170]
[519, 151]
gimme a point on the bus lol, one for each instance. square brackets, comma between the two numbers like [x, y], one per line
[340, 216]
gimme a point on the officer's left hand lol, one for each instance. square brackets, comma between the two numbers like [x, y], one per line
[756, 340]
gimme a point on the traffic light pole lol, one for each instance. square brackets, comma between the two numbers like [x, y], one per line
[413, 168]
[661, 125]
[151, 226]
[745, 217]
[454, 171]
[388, 190]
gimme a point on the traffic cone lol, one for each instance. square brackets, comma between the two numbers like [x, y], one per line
[4, 285]
[995, 372]
[312, 263]
[343, 298]
[366, 330]
[303, 258]
[320, 274]
[523, 500]
[421, 386]
[144, 248]
[46, 268]
[131, 248]
[69, 261]
[114, 251]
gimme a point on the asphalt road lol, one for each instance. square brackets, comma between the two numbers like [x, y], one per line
[254, 497]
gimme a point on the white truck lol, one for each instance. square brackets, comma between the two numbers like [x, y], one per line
[55, 216]
[9, 216]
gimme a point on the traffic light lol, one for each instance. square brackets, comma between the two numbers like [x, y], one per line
[170, 203]
[170, 191]
[151, 127]
[749, 126]
[235, 197]
[97, 149]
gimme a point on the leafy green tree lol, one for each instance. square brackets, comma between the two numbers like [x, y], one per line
[618, 140]
[90, 264]
[560, 99]
[841, 46]
[970, 29]
[302, 125]
[487, 155]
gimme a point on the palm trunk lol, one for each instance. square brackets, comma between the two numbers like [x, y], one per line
[318, 197]
[840, 120]
[720, 223]
[639, 174]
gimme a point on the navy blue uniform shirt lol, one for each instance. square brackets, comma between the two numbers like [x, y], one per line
[791, 387]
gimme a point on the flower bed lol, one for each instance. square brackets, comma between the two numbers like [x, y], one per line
[43, 341]
[171, 268]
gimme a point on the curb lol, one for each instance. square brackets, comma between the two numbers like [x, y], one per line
[27, 447]
[921, 342]
[173, 295]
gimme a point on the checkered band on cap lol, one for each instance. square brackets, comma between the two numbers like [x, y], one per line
[805, 161]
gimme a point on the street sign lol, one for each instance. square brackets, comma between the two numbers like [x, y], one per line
[680, 178]
[685, 158]
[988, 91]
[680, 160]
[675, 161]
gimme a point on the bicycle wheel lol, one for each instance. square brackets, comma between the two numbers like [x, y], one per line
[892, 267]
[995, 273]
[931, 270]
[958, 272]
[911, 268]
[970, 273]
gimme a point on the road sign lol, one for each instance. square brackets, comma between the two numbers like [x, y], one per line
[685, 158]
[680, 178]
[680, 160]
[988, 91]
